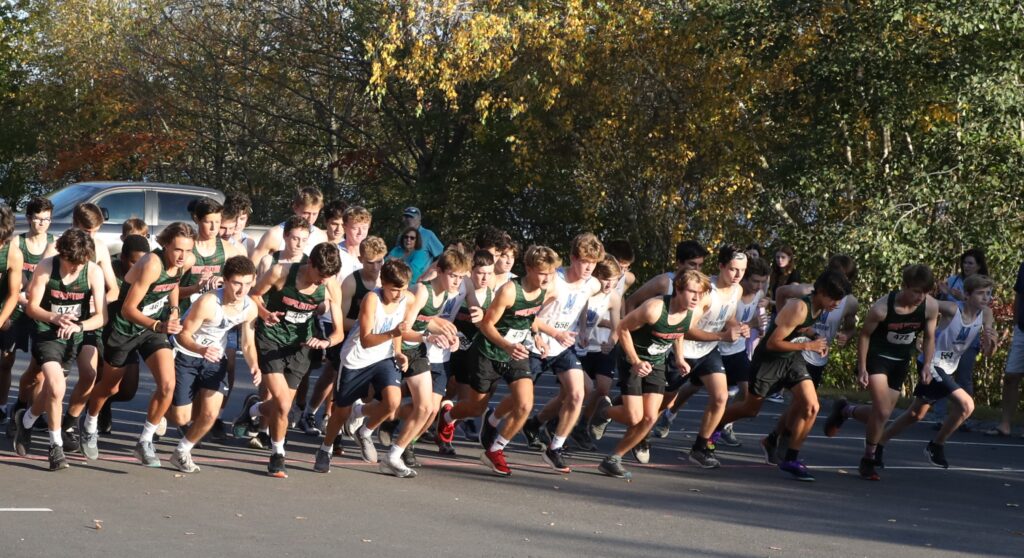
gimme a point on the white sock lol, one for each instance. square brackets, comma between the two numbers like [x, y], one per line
[148, 429]
[499, 443]
[265, 429]
[325, 447]
[184, 446]
[396, 451]
[364, 432]
[254, 411]
[278, 446]
[493, 420]
[90, 424]
[557, 442]
[29, 419]
[56, 439]
[357, 410]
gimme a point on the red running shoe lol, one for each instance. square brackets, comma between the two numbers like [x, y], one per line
[445, 429]
[495, 461]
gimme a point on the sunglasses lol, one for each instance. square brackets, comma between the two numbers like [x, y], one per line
[408, 237]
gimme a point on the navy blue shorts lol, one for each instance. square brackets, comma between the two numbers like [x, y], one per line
[937, 389]
[355, 383]
[599, 364]
[710, 363]
[737, 367]
[439, 372]
[563, 362]
[192, 374]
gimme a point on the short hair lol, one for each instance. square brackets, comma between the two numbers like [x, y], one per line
[373, 247]
[482, 258]
[229, 214]
[419, 238]
[918, 276]
[758, 266]
[134, 243]
[833, 284]
[237, 203]
[174, 230]
[335, 210]
[134, 225]
[691, 276]
[37, 205]
[325, 258]
[978, 281]
[689, 250]
[6, 223]
[296, 222]
[453, 260]
[730, 252]
[509, 244]
[238, 265]
[586, 246]
[395, 273]
[201, 207]
[357, 214]
[607, 268]
[76, 246]
[489, 236]
[845, 265]
[621, 249]
[541, 257]
[307, 196]
[87, 216]
[754, 246]
[979, 256]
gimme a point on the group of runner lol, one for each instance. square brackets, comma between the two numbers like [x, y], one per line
[412, 361]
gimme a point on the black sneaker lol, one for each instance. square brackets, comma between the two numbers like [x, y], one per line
[219, 431]
[936, 455]
[642, 451]
[244, 425]
[470, 430]
[769, 445]
[581, 437]
[488, 433]
[276, 467]
[556, 460]
[612, 466]
[71, 437]
[445, 448]
[531, 430]
[105, 421]
[260, 441]
[599, 422]
[780, 452]
[867, 469]
[22, 435]
[57, 459]
[704, 457]
[339, 449]
[409, 458]
[879, 451]
[835, 418]
[386, 432]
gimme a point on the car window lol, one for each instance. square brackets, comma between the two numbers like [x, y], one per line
[121, 206]
[174, 207]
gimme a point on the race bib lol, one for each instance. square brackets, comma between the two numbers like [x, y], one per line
[516, 335]
[562, 326]
[154, 308]
[203, 340]
[294, 317]
[900, 338]
[656, 349]
[946, 356]
[69, 309]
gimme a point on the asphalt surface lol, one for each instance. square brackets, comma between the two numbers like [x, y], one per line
[456, 507]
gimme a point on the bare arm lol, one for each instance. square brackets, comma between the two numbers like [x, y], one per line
[269, 243]
[247, 339]
[657, 286]
[647, 313]
[931, 313]
[98, 287]
[15, 262]
[875, 315]
[367, 313]
[200, 312]
[109, 279]
[348, 291]
[268, 279]
[505, 297]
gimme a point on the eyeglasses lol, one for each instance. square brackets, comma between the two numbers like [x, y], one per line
[40, 220]
[408, 237]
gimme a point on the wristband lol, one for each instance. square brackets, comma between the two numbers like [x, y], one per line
[156, 326]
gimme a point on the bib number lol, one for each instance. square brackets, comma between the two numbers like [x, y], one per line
[294, 317]
[154, 308]
[900, 338]
[516, 335]
[562, 326]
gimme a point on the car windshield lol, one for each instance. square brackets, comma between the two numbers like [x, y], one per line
[65, 200]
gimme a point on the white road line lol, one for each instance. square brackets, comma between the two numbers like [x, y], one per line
[25, 510]
[925, 468]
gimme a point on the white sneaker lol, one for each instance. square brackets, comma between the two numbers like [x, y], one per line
[161, 427]
[393, 465]
[182, 460]
[352, 424]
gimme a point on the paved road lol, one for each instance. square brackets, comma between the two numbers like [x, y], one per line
[457, 508]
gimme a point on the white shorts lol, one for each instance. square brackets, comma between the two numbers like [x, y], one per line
[1015, 360]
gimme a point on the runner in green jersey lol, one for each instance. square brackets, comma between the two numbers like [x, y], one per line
[646, 335]
[148, 314]
[287, 296]
[11, 264]
[209, 251]
[61, 293]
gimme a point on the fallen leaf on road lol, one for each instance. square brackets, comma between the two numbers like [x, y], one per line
[774, 548]
[97, 524]
[367, 540]
[238, 515]
[299, 517]
[189, 533]
[552, 524]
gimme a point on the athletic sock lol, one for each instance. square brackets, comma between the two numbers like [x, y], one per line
[791, 454]
[396, 451]
[90, 424]
[278, 446]
[869, 450]
[67, 421]
[848, 411]
[148, 429]
[557, 442]
[499, 443]
[700, 443]
[29, 419]
[773, 437]
[364, 432]
[326, 448]
[185, 446]
[493, 420]
[56, 439]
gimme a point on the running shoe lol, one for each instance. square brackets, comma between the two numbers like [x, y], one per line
[386, 432]
[182, 460]
[309, 427]
[293, 416]
[867, 469]
[612, 466]
[339, 448]
[531, 430]
[146, 454]
[260, 441]
[555, 459]
[71, 437]
[469, 430]
[780, 451]
[835, 418]
[445, 448]
[352, 424]
[161, 427]
[581, 437]
[393, 465]
[663, 426]
[642, 451]
[488, 433]
[22, 435]
[322, 461]
[775, 398]
[57, 459]
[495, 461]
[367, 449]
[728, 437]
[936, 455]
[409, 458]
[770, 449]
[704, 457]
[90, 445]
[797, 469]
[218, 432]
[245, 426]
[599, 422]
[879, 453]
[445, 429]
[276, 467]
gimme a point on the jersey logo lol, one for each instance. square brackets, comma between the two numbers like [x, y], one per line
[824, 316]
[721, 313]
[571, 301]
[962, 336]
[386, 325]
[447, 309]
[591, 317]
